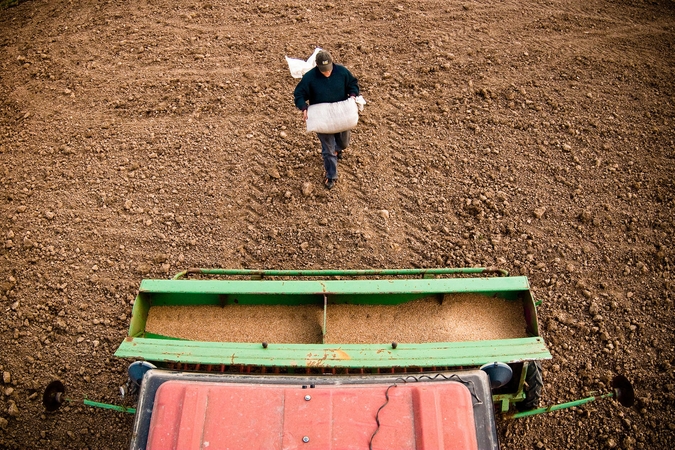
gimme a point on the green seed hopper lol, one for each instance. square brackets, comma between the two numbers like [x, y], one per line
[326, 313]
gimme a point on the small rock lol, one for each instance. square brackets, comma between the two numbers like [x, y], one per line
[283, 135]
[566, 319]
[585, 216]
[6, 377]
[3, 423]
[307, 188]
[160, 258]
[49, 215]
[323, 221]
[288, 194]
[274, 173]
[13, 410]
[304, 245]
[9, 391]
[384, 213]
[539, 212]
[629, 441]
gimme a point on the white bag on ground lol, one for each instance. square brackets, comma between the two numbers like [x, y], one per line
[331, 118]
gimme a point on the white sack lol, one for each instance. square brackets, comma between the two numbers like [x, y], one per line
[361, 102]
[333, 117]
[298, 67]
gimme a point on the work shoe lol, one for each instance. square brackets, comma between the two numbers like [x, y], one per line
[329, 183]
[339, 155]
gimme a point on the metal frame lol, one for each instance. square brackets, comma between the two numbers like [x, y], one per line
[326, 287]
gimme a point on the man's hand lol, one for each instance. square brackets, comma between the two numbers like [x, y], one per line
[304, 115]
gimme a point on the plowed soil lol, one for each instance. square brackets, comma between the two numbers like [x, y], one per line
[141, 138]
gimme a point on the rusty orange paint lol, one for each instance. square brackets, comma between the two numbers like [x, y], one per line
[341, 354]
[332, 354]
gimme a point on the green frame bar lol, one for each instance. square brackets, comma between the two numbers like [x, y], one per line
[337, 288]
[440, 354]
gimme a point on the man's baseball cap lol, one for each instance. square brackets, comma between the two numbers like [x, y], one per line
[324, 61]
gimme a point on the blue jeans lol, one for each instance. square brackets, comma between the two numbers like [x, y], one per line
[331, 145]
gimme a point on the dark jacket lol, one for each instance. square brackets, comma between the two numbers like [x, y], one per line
[317, 88]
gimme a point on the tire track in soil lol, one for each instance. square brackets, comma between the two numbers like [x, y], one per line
[360, 193]
[402, 222]
[240, 204]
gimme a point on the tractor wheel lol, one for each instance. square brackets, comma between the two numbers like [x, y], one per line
[533, 385]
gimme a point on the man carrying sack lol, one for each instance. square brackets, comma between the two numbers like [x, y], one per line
[327, 83]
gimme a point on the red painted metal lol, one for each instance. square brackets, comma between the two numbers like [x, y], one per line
[420, 415]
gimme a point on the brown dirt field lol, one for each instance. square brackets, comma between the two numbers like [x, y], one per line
[141, 138]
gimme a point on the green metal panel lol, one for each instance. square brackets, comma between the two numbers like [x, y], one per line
[139, 315]
[442, 354]
[286, 287]
[530, 311]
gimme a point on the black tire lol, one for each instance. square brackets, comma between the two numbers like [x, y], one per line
[534, 383]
